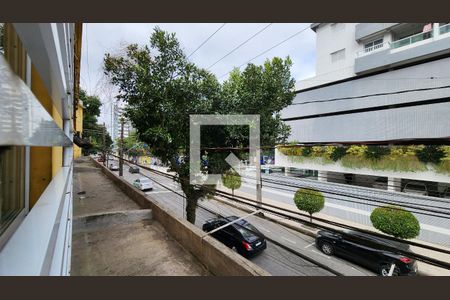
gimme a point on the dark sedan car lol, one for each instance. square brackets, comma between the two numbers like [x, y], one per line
[133, 169]
[368, 251]
[241, 236]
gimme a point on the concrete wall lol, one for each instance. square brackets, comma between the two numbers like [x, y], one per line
[218, 258]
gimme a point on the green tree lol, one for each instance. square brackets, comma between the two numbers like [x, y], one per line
[395, 221]
[231, 180]
[162, 88]
[309, 200]
[91, 130]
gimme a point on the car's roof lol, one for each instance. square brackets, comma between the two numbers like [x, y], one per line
[144, 179]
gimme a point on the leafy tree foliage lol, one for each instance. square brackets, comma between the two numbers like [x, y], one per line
[309, 200]
[162, 88]
[91, 130]
[231, 180]
[395, 221]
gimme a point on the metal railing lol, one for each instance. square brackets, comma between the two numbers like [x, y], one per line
[412, 39]
[373, 48]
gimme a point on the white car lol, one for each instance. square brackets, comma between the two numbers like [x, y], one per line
[416, 188]
[114, 167]
[143, 184]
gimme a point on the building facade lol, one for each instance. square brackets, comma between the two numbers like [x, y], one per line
[375, 84]
[39, 84]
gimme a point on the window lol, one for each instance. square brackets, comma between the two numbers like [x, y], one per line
[12, 184]
[376, 44]
[338, 55]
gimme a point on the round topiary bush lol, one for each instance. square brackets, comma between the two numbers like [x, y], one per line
[395, 221]
[308, 200]
[231, 180]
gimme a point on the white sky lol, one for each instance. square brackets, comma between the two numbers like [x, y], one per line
[99, 39]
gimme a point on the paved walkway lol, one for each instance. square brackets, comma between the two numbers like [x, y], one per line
[114, 247]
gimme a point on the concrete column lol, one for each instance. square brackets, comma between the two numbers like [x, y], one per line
[394, 184]
[322, 176]
[287, 171]
[435, 30]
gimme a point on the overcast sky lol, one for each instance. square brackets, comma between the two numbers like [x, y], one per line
[99, 39]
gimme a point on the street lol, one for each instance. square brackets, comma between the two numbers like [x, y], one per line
[347, 202]
[274, 259]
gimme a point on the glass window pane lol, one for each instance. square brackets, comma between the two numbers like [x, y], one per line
[12, 175]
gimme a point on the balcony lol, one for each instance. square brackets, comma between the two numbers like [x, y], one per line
[372, 49]
[412, 39]
[412, 48]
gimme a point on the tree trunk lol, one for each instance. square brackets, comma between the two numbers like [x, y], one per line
[191, 207]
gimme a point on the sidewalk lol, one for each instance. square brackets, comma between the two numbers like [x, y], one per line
[113, 236]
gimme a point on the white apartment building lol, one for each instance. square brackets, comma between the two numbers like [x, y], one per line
[375, 83]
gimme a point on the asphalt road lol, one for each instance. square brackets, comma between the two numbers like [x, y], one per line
[354, 207]
[274, 259]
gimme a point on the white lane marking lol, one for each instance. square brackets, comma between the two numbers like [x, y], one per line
[290, 241]
[264, 229]
[310, 245]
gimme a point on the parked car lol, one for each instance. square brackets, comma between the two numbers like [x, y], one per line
[446, 193]
[368, 251]
[416, 188]
[380, 183]
[133, 169]
[241, 236]
[143, 183]
[113, 167]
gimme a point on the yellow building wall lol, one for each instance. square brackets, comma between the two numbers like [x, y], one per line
[40, 157]
[79, 127]
[57, 152]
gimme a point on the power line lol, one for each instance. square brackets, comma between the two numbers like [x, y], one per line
[373, 95]
[239, 46]
[204, 42]
[265, 51]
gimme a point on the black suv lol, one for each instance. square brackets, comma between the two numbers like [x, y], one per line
[241, 236]
[368, 251]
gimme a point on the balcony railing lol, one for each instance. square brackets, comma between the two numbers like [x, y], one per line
[373, 48]
[444, 29]
[412, 39]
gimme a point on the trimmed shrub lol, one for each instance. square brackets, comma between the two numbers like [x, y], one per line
[431, 154]
[395, 221]
[338, 153]
[231, 180]
[306, 151]
[376, 152]
[308, 200]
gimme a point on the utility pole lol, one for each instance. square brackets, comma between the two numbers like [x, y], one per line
[258, 179]
[122, 121]
[104, 144]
